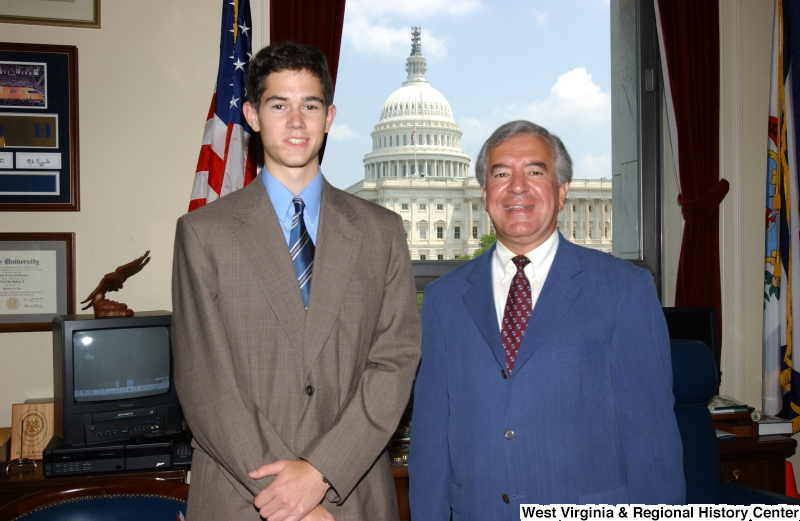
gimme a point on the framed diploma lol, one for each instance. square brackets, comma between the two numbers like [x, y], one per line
[71, 13]
[39, 128]
[37, 279]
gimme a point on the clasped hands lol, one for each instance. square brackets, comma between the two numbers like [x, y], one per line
[295, 493]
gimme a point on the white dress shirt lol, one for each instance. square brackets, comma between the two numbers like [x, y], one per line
[503, 271]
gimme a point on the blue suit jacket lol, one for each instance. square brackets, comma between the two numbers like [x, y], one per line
[590, 401]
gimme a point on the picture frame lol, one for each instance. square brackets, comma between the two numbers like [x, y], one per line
[37, 280]
[76, 13]
[39, 148]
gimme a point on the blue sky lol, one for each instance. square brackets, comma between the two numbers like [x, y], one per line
[543, 60]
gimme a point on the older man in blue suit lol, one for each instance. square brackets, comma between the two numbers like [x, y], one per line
[545, 374]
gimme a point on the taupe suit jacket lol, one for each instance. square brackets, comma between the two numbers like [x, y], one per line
[261, 379]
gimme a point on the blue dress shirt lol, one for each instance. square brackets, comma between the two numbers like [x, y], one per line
[282, 201]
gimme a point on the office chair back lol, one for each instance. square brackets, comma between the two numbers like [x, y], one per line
[118, 500]
[694, 376]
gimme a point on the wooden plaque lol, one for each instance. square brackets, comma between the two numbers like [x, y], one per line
[31, 429]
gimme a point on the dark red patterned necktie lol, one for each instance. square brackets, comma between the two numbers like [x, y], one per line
[517, 312]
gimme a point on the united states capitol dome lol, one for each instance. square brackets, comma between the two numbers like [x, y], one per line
[416, 134]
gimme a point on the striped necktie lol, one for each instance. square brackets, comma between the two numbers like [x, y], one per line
[301, 249]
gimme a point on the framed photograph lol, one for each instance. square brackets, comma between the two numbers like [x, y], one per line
[39, 127]
[37, 279]
[72, 13]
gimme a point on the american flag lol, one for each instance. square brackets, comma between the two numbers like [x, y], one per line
[227, 161]
[413, 133]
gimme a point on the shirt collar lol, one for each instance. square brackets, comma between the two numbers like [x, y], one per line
[282, 197]
[541, 258]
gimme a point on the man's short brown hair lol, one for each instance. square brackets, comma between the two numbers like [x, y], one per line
[287, 55]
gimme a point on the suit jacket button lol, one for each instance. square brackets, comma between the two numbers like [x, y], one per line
[509, 434]
[503, 373]
[309, 390]
[505, 498]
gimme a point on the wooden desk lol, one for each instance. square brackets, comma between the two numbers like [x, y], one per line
[758, 462]
[18, 485]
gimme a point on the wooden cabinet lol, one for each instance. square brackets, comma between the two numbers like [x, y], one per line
[758, 461]
[401, 485]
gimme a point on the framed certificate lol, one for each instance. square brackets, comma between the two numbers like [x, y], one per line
[37, 279]
[71, 13]
[38, 128]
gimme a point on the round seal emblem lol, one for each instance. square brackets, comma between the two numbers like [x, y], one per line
[34, 430]
[12, 303]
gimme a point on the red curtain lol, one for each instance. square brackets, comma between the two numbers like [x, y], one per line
[690, 32]
[315, 22]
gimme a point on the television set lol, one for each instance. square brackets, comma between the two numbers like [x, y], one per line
[113, 378]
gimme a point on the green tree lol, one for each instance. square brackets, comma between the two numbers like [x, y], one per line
[485, 243]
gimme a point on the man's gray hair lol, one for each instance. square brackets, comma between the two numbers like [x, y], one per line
[561, 160]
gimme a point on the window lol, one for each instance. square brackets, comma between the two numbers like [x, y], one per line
[457, 207]
[440, 232]
[440, 257]
[457, 232]
[404, 140]
[404, 206]
[474, 207]
[439, 207]
[423, 232]
[390, 140]
[422, 206]
[474, 232]
[636, 94]
[422, 256]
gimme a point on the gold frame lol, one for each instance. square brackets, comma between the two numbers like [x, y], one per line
[94, 23]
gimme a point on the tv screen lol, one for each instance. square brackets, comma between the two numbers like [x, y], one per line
[120, 363]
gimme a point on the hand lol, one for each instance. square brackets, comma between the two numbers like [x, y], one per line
[296, 490]
[319, 514]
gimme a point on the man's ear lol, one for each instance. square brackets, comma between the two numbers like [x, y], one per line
[328, 118]
[251, 115]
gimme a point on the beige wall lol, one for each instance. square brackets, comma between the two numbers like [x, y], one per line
[145, 84]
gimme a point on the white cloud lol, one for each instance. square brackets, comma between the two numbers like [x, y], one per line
[592, 167]
[573, 99]
[371, 27]
[541, 18]
[342, 132]
[575, 109]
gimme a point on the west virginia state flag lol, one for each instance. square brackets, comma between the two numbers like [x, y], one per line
[782, 244]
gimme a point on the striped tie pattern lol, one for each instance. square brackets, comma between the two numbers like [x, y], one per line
[517, 313]
[301, 249]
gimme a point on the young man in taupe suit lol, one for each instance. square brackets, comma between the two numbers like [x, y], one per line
[292, 373]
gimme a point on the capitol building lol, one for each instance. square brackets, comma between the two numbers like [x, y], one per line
[417, 169]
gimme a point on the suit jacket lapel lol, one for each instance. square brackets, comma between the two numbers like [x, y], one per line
[556, 297]
[479, 301]
[264, 246]
[336, 256]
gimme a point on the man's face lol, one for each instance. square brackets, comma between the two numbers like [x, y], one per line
[522, 195]
[293, 120]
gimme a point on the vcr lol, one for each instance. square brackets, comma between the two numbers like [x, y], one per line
[60, 460]
[125, 425]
